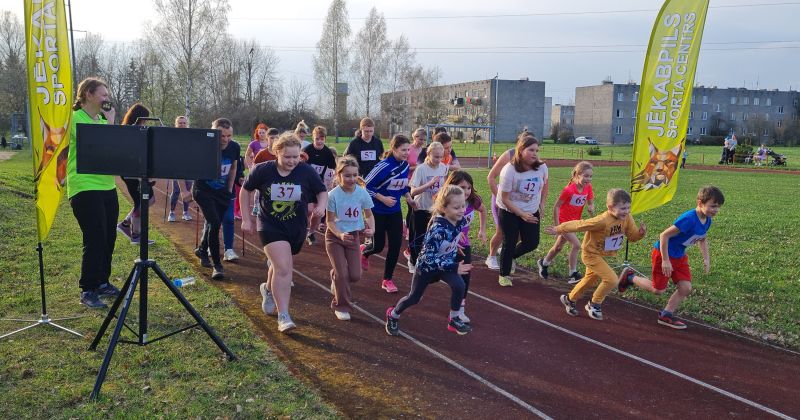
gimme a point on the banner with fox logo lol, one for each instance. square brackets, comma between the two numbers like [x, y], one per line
[665, 98]
[50, 103]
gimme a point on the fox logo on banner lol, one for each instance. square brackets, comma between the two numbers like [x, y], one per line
[50, 99]
[664, 102]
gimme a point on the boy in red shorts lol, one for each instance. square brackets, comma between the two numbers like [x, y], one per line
[688, 229]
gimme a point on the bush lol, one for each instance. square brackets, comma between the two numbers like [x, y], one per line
[565, 136]
[742, 151]
[712, 140]
[594, 151]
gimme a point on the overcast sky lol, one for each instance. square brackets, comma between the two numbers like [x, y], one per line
[750, 43]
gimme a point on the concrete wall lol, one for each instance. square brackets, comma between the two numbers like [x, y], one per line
[593, 109]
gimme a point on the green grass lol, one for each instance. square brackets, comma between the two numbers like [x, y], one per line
[48, 374]
[753, 285]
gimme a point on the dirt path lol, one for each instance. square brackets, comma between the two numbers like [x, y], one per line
[525, 357]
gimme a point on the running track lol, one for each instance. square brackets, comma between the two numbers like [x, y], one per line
[526, 358]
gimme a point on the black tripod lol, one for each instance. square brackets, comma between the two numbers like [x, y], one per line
[138, 275]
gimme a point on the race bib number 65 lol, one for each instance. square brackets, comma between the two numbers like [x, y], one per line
[577, 200]
[285, 192]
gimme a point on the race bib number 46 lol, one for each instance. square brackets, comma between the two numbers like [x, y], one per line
[368, 155]
[614, 242]
[285, 192]
[349, 214]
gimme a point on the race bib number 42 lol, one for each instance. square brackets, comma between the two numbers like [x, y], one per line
[285, 192]
[614, 242]
[368, 155]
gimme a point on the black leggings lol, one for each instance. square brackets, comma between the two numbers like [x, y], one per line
[213, 210]
[420, 222]
[514, 227]
[421, 281]
[466, 259]
[390, 225]
[96, 212]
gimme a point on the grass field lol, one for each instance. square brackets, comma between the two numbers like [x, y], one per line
[49, 374]
[753, 286]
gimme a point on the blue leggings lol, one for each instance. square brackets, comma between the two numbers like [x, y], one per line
[176, 194]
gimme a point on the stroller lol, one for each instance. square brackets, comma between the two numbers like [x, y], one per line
[777, 158]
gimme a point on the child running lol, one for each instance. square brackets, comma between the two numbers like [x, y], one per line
[463, 180]
[349, 206]
[386, 184]
[574, 197]
[321, 159]
[428, 178]
[437, 261]
[688, 229]
[286, 186]
[605, 235]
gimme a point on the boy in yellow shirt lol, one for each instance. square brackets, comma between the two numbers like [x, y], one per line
[605, 235]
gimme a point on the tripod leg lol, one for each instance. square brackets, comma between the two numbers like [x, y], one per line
[112, 344]
[53, 324]
[113, 310]
[193, 312]
[18, 331]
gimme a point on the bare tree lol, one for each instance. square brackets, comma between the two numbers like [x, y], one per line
[298, 95]
[370, 66]
[332, 56]
[13, 81]
[87, 55]
[187, 32]
[399, 62]
[12, 36]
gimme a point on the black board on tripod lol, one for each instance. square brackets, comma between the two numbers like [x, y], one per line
[111, 150]
[184, 153]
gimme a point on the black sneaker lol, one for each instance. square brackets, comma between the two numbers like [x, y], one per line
[542, 268]
[203, 255]
[107, 290]
[575, 277]
[311, 239]
[218, 273]
[91, 300]
[392, 326]
[458, 326]
[569, 305]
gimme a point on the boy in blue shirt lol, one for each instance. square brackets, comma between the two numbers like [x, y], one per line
[688, 229]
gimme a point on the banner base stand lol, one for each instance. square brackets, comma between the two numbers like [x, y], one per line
[44, 320]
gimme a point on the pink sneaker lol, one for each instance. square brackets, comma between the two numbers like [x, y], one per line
[364, 260]
[389, 286]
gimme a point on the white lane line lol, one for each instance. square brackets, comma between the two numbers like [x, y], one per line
[444, 358]
[634, 357]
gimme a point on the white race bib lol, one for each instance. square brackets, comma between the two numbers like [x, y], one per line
[398, 184]
[468, 217]
[349, 214]
[318, 168]
[328, 176]
[447, 247]
[693, 240]
[368, 155]
[436, 185]
[527, 186]
[285, 192]
[224, 170]
[578, 200]
[614, 242]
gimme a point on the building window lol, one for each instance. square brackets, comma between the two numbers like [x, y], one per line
[766, 116]
[768, 102]
[716, 108]
[733, 100]
[702, 130]
[635, 96]
[780, 109]
[733, 116]
[756, 101]
[691, 115]
[633, 114]
[705, 115]
[620, 97]
[705, 100]
[745, 101]
[689, 132]
[619, 113]
[766, 131]
[780, 123]
[693, 96]
[794, 103]
[744, 116]
[618, 129]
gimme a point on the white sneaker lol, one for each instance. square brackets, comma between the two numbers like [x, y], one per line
[187, 216]
[411, 268]
[491, 262]
[171, 217]
[343, 316]
[285, 323]
[267, 302]
[230, 255]
[463, 316]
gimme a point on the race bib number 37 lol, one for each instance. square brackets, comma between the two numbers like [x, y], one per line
[614, 242]
[285, 192]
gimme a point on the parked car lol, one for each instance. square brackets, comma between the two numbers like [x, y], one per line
[585, 140]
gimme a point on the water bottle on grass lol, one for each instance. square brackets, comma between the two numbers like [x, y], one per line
[186, 281]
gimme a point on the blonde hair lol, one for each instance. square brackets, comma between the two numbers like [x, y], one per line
[419, 131]
[617, 196]
[579, 168]
[348, 162]
[432, 148]
[301, 127]
[444, 197]
[287, 139]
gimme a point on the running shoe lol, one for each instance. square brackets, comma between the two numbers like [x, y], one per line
[267, 302]
[285, 323]
[342, 316]
[542, 268]
[411, 268]
[135, 240]
[463, 316]
[230, 255]
[625, 279]
[124, 228]
[392, 325]
[505, 281]
[90, 299]
[458, 326]
[670, 321]
[187, 217]
[107, 290]
[491, 262]
[311, 239]
[364, 258]
[203, 255]
[171, 217]
[569, 305]
[218, 273]
[389, 286]
[594, 311]
[575, 277]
